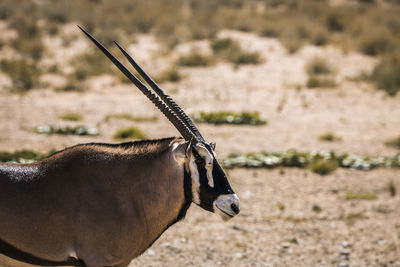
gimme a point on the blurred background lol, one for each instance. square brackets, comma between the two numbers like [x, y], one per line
[300, 96]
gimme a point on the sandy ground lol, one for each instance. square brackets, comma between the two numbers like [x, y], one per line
[277, 225]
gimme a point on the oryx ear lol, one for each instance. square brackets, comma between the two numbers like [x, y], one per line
[213, 145]
[180, 151]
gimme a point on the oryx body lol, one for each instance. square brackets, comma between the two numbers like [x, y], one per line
[96, 202]
[104, 204]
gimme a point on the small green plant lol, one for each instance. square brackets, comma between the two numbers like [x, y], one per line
[195, 59]
[387, 75]
[19, 156]
[129, 133]
[324, 167]
[281, 206]
[329, 137]
[67, 130]
[355, 215]
[392, 189]
[395, 142]
[129, 117]
[71, 117]
[318, 66]
[227, 117]
[316, 208]
[360, 196]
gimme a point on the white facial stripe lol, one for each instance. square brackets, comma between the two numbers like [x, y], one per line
[208, 158]
[194, 173]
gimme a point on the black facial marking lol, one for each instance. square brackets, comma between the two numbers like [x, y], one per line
[221, 185]
[207, 194]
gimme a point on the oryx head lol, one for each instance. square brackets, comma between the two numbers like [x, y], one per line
[210, 186]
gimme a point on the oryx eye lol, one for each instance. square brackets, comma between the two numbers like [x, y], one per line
[199, 160]
[213, 145]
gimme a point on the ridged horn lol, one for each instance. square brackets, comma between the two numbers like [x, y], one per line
[163, 95]
[171, 116]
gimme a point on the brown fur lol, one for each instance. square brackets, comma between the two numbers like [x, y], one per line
[106, 203]
[141, 148]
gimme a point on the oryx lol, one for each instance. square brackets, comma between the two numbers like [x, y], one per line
[105, 204]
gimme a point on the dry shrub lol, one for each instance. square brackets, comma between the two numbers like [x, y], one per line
[24, 75]
[376, 42]
[169, 75]
[315, 81]
[394, 142]
[32, 48]
[317, 66]
[320, 74]
[230, 50]
[195, 59]
[90, 63]
[387, 74]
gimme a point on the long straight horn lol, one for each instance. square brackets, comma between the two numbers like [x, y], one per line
[163, 95]
[171, 116]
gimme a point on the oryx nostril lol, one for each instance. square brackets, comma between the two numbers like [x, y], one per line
[235, 208]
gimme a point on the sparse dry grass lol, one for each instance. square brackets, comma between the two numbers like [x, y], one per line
[169, 75]
[320, 82]
[23, 73]
[387, 74]
[318, 66]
